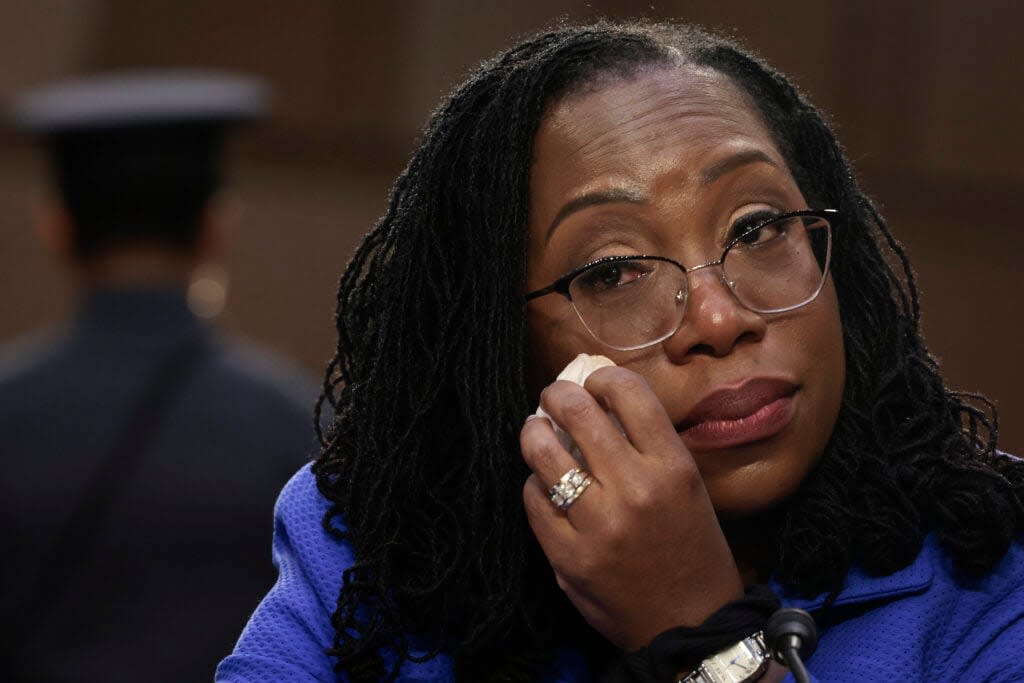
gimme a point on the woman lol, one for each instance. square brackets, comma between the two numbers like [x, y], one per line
[656, 195]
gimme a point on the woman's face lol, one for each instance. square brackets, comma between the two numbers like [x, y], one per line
[666, 163]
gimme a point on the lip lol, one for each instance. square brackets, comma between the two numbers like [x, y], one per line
[757, 409]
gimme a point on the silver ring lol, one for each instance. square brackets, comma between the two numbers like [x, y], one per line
[570, 487]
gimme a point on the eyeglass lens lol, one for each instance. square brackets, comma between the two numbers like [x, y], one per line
[776, 267]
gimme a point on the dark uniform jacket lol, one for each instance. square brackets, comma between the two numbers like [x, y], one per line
[146, 566]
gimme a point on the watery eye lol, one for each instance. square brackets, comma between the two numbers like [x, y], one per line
[609, 276]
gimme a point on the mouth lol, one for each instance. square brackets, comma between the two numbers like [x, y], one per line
[754, 411]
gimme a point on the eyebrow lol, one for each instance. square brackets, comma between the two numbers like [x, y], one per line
[613, 196]
[730, 164]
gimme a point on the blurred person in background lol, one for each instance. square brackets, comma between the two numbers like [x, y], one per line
[142, 451]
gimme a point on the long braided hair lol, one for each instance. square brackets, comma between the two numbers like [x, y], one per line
[422, 465]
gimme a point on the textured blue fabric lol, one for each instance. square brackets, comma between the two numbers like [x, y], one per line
[922, 623]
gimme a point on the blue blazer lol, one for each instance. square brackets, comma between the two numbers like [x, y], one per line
[921, 623]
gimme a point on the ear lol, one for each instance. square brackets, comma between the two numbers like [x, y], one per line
[217, 228]
[55, 228]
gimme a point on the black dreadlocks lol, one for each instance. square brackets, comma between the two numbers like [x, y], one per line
[422, 461]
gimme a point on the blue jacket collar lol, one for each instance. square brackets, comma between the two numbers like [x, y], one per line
[861, 587]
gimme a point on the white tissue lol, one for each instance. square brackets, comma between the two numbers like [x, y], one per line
[577, 371]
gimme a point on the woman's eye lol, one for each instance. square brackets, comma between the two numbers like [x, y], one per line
[761, 235]
[757, 228]
[608, 276]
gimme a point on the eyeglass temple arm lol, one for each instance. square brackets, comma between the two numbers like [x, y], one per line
[560, 286]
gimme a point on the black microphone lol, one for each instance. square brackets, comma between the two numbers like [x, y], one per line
[789, 631]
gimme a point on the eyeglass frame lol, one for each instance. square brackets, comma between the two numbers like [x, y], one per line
[561, 285]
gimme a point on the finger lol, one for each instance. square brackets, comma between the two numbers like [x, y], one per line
[550, 462]
[597, 436]
[543, 452]
[552, 527]
[641, 415]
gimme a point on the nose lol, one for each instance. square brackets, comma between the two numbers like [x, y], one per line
[714, 322]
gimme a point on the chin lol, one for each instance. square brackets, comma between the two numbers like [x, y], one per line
[741, 484]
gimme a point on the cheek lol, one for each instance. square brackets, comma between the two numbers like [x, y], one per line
[553, 339]
[825, 338]
[824, 360]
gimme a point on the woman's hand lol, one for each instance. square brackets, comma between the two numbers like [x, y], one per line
[641, 550]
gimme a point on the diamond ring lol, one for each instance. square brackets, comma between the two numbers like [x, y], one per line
[570, 487]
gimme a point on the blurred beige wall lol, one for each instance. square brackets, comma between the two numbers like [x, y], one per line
[926, 96]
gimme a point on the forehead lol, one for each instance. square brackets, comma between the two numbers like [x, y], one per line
[663, 122]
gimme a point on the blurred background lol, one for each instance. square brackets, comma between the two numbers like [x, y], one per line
[927, 96]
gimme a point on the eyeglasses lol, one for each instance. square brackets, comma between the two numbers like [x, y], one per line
[632, 302]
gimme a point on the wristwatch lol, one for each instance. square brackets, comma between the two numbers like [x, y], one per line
[744, 661]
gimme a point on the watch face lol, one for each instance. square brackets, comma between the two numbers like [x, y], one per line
[739, 663]
[742, 666]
